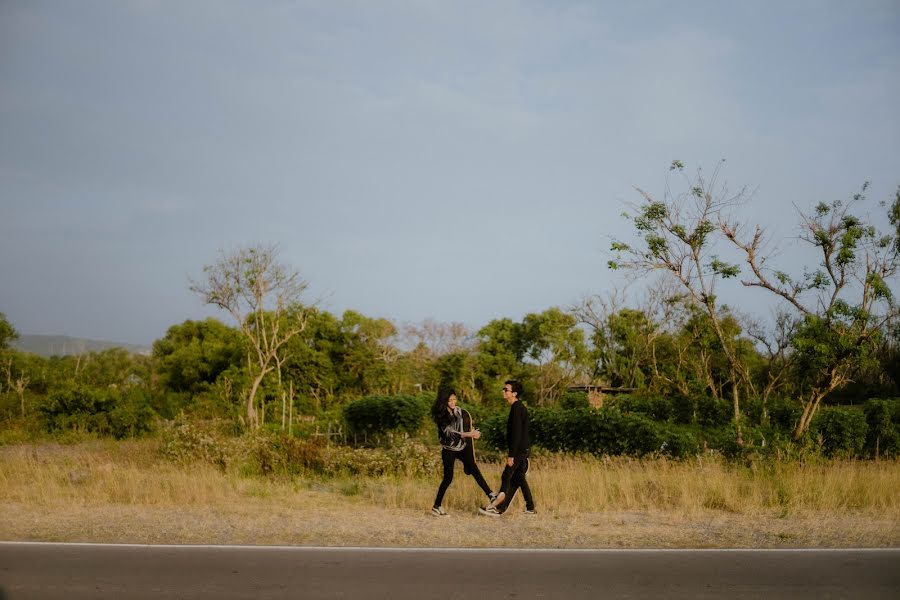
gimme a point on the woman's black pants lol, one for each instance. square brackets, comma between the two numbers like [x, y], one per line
[467, 457]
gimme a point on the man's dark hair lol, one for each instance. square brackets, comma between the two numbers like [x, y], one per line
[516, 387]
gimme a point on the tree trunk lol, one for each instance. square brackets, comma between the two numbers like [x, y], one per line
[735, 394]
[809, 411]
[291, 409]
[252, 414]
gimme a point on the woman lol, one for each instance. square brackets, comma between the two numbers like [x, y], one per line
[455, 432]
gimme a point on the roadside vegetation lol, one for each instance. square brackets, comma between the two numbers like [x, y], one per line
[674, 404]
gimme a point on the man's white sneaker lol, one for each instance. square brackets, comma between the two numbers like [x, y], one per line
[438, 511]
[489, 511]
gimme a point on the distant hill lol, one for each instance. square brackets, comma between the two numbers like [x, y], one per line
[62, 345]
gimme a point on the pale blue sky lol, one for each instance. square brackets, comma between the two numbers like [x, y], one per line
[461, 161]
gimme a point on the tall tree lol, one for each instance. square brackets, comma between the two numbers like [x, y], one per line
[844, 306]
[556, 344]
[677, 234]
[263, 296]
[192, 355]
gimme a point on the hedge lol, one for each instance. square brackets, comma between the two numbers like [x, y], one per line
[378, 415]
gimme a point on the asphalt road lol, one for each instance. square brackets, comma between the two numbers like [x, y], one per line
[76, 571]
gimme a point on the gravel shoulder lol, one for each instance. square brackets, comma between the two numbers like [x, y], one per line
[346, 523]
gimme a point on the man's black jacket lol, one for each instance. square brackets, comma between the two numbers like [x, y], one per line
[517, 439]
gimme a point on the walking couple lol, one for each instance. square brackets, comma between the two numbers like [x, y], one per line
[456, 433]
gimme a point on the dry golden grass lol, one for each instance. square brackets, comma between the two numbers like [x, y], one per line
[125, 492]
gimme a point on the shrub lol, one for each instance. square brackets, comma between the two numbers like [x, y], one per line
[76, 407]
[714, 412]
[572, 400]
[277, 453]
[600, 432]
[378, 415]
[404, 457]
[186, 442]
[656, 407]
[132, 415]
[883, 421]
[81, 408]
[842, 430]
[784, 413]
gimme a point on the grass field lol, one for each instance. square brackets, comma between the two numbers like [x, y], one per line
[108, 491]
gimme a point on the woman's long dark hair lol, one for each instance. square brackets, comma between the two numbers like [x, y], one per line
[439, 409]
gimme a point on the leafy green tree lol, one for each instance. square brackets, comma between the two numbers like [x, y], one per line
[314, 358]
[844, 306]
[192, 355]
[553, 340]
[677, 234]
[8, 333]
[500, 350]
[623, 347]
[546, 351]
[367, 352]
[115, 368]
[23, 377]
[197, 365]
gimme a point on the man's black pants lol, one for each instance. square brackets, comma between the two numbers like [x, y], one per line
[512, 479]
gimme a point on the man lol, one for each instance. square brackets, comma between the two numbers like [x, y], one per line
[518, 444]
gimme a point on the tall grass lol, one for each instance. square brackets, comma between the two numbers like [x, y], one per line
[566, 485]
[136, 474]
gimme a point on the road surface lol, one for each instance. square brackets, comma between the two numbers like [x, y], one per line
[77, 571]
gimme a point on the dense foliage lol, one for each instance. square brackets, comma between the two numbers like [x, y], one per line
[678, 374]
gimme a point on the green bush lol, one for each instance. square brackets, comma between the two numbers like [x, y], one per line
[81, 408]
[76, 407]
[656, 407]
[684, 409]
[883, 421]
[784, 413]
[600, 432]
[377, 415]
[714, 412]
[842, 430]
[572, 400]
[132, 415]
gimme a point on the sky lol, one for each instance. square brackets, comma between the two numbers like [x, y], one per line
[460, 161]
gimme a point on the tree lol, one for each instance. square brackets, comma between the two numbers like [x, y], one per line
[263, 296]
[192, 355]
[198, 364]
[677, 235]
[554, 342]
[499, 354]
[844, 306]
[367, 352]
[8, 333]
